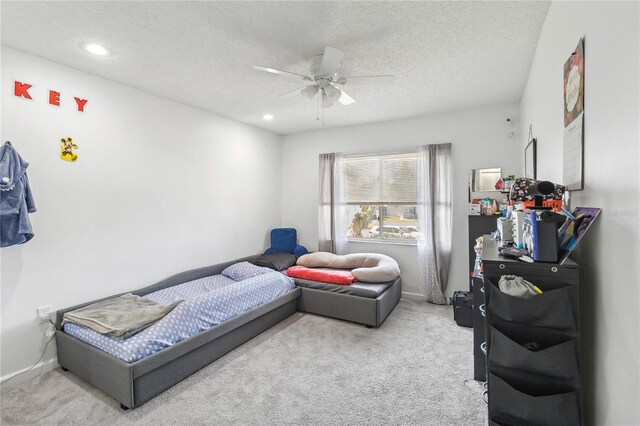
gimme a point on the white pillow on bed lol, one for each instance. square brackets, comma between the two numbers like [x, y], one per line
[366, 267]
[243, 270]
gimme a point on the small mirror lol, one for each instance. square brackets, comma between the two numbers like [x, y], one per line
[484, 180]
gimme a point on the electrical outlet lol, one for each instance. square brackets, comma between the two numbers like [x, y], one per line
[44, 312]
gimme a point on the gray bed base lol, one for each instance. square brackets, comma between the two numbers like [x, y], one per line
[363, 310]
[133, 384]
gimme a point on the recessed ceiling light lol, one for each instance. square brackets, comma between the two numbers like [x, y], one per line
[268, 117]
[96, 49]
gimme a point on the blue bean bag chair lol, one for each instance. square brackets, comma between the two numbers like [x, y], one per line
[285, 240]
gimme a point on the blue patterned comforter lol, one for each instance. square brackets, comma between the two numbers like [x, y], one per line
[207, 302]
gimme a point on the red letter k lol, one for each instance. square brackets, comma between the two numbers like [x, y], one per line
[22, 90]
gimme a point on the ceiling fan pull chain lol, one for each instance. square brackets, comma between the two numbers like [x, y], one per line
[317, 109]
[323, 94]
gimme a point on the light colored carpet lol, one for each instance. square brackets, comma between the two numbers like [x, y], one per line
[417, 368]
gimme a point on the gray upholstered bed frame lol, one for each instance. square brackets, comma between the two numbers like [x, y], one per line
[364, 310]
[133, 384]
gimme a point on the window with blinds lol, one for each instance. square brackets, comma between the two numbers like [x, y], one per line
[381, 196]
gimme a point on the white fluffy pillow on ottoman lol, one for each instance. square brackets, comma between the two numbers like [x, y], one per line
[366, 267]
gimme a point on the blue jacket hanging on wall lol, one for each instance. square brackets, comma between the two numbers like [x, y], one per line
[16, 200]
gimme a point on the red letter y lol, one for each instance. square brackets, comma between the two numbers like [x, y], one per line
[81, 103]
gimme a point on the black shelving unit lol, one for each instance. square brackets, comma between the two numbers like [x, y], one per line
[532, 345]
[479, 337]
[478, 226]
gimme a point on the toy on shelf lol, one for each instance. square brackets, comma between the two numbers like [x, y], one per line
[504, 184]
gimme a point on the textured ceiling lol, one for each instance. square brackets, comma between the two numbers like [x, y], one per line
[446, 55]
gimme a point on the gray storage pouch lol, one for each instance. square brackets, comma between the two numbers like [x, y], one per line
[516, 286]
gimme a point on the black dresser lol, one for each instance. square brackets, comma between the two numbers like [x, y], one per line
[532, 345]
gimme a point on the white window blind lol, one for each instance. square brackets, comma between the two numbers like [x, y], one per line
[362, 180]
[384, 179]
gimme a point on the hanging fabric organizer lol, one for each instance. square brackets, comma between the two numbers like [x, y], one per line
[16, 199]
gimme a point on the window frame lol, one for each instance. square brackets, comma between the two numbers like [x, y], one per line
[380, 157]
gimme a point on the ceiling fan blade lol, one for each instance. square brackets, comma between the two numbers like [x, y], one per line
[281, 72]
[345, 99]
[291, 92]
[367, 79]
[331, 61]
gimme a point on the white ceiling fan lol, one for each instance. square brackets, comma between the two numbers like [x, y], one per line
[324, 79]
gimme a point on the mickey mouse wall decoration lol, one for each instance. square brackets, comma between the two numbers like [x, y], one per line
[66, 149]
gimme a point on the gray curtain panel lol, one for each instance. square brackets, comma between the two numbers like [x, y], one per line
[332, 227]
[434, 219]
[340, 207]
[326, 220]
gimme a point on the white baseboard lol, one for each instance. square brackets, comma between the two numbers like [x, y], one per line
[413, 296]
[19, 377]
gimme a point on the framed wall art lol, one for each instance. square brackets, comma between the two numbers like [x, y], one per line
[573, 146]
[530, 165]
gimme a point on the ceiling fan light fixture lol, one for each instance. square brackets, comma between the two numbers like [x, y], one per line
[327, 102]
[309, 92]
[332, 92]
[330, 96]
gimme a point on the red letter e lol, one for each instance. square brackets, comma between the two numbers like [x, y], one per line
[21, 90]
[54, 98]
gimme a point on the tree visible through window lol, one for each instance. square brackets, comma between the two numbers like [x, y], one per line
[381, 197]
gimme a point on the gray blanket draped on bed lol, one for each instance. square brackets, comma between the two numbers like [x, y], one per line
[120, 317]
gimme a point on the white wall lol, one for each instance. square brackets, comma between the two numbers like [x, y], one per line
[608, 256]
[158, 188]
[479, 139]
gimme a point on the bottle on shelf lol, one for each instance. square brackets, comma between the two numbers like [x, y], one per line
[477, 267]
